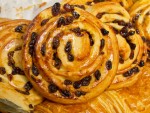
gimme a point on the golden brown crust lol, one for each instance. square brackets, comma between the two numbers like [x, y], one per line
[141, 18]
[3, 19]
[91, 49]
[134, 99]
[132, 49]
[130, 57]
[16, 91]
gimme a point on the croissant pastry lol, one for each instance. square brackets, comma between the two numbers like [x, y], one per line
[68, 54]
[140, 13]
[16, 92]
[134, 99]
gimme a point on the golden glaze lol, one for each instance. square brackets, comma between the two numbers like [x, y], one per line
[9, 41]
[141, 10]
[85, 63]
[112, 11]
[134, 99]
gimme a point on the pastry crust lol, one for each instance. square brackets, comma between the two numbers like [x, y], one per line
[16, 91]
[141, 18]
[130, 58]
[132, 49]
[79, 51]
[134, 99]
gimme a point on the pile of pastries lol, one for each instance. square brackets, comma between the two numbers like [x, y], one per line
[79, 56]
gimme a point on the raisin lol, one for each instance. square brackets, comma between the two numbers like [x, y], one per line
[129, 25]
[132, 46]
[96, 1]
[10, 77]
[44, 22]
[91, 39]
[2, 70]
[57, 63]
[80, 93]
[86, 81]
[99, 15]
[75, 15]
[121, 61]
[135, 18]
[104, 31]
[65, 93]
[61, 21]
[97, 74]
[19, 29]
[17, 70]
[77, 84]
[35, 70]
[128, 73]
[43, 49]
[56, 9]
[124, 32]
[131, 55]
[52, 88]
[109, 65]
[68, 47]
[23, 92]
[102, 44]
[70, 57]
[88, 3]
[141, 64]
[28, 86]
[30, 106]
[69, 20]
[32, 43]
[131, 32]
[55, 42]
[18, 48]
[11, 61]
[120, 22]
[67, 82]
[77, 31]
[135, 69]
[68, 7]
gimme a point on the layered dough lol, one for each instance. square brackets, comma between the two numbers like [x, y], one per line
[134, 99]
[132, 48]
[140, 14]
[69, 55]
[16, 92]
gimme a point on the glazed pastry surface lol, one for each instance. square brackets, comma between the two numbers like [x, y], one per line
[16, 91]
[134, 99]
[68, 54]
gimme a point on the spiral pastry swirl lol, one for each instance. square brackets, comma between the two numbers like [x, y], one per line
[132, 49]
[68, 54]
[12, 77]
[140, 14]
[134, 99]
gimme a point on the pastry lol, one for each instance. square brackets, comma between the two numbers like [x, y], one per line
[134, 99]
[68, 54]
[16, 92]
[132, 49]
[125, 3]
[140, 13]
